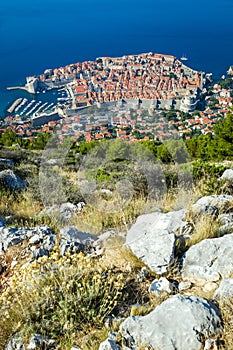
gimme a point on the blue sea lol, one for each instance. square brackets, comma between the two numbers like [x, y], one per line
[40, 34]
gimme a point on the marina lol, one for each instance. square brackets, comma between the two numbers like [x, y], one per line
[24, 108]
[21, 104]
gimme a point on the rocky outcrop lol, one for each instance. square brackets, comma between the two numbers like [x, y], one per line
[209, 260]
[212, 205]
[182, 321]
[37, 341]
[11, 181]
[75, 241]
[179, 323]
[41, 239]
[152, 239]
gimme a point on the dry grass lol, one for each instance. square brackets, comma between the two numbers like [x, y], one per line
[146, 347]
[91, 340]
[61, 297]
[117, 258]
[121, 256]
[96, 221]
[21, 209]
[205, 227]
[145, 309]
[226, 308]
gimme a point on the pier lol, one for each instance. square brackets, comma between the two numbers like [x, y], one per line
[9, 88]
[14, 105]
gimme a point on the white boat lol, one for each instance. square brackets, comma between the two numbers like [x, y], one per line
[184, 58]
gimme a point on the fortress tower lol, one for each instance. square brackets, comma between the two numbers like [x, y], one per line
[32, 84]
[189, 101]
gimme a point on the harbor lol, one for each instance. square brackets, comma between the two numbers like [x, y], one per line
[24, 106]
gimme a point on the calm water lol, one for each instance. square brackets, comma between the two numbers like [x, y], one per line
[35, 35]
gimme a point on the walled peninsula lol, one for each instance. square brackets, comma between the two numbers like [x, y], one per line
[133, 97]
[145, 80]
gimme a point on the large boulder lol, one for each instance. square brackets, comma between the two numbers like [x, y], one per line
[152, 238]
[179, 323]
[212, 205]
[209, 260]
[12, 181]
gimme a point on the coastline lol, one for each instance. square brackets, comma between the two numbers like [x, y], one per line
[30, 85]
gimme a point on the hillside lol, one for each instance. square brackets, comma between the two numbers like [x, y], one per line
[114, 245]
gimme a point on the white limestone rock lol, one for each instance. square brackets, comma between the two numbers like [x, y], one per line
[42, 235]
[15, 344]
[210, 344]
[163, 285]
[209, 260]
[225, 289]
[212, 205]
[179, 323]
[109, 344]
[209, 287]
[226, 223]
[64, 211]
[227, 175]
[152, 239]
[104, 241]
[74, 240]
[12, 181]
[184, 285]
[38, 341]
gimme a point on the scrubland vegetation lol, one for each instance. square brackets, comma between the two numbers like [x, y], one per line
[77, 299]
